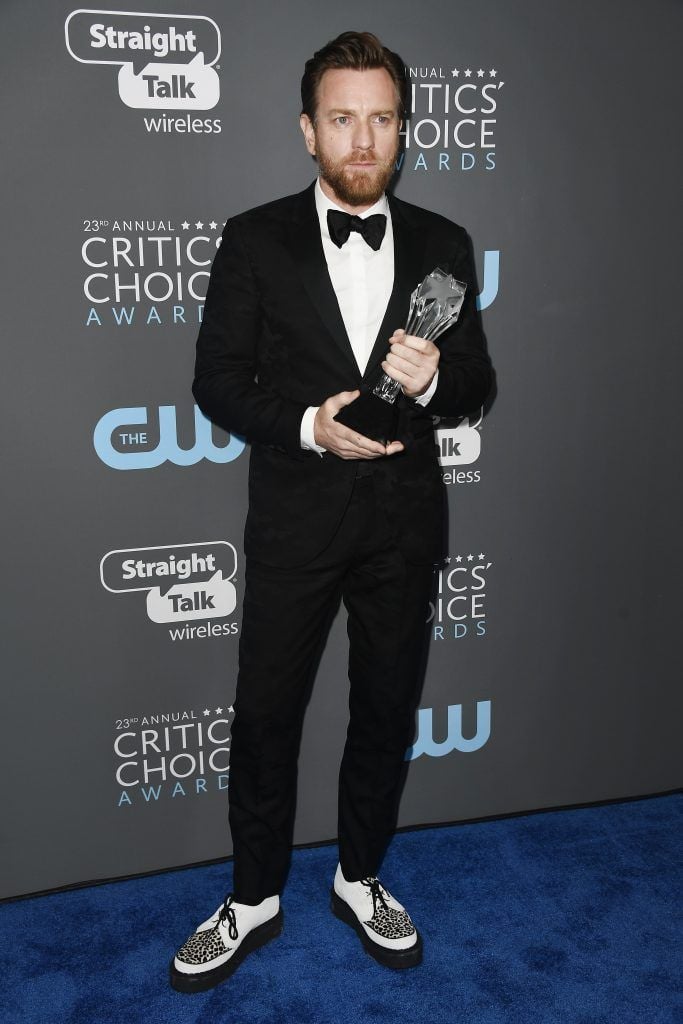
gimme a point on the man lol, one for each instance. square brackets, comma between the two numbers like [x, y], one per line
[304, 295]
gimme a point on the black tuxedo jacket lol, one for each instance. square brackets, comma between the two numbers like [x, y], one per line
[273, 342]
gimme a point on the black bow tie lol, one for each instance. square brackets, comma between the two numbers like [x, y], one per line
[341, 225]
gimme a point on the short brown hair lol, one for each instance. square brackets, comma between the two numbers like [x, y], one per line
[359, 51]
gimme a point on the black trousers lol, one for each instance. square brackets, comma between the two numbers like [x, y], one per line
[286, 615]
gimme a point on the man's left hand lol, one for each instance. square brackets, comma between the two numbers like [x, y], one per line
[412, 362]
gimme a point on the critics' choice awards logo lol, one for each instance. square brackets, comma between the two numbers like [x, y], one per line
[453, 119]
[169, 755]
[150, 273]
[459, 608]
[165, 62]
[146, 273]
[130, 438]
[459, 445]
[183, 583]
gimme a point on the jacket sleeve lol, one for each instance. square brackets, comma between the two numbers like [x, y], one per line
[465, 373]
[226, 384]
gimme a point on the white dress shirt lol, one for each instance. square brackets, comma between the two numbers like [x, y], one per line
[363, 281]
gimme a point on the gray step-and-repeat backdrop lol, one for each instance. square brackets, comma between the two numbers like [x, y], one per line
[548, 130]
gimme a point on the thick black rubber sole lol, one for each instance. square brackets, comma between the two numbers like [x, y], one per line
[396, 959]
[256, 938]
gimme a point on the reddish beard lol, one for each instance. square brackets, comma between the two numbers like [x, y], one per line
[352, 185]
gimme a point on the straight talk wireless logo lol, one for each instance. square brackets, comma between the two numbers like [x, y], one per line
[165, 62]
[459, 445]
[187, 586]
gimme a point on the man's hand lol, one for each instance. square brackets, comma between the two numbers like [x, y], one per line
[412, 362]
[343, 441]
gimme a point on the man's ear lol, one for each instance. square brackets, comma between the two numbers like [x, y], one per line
[307, 128]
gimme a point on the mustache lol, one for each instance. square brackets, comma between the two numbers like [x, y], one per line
[364, 158]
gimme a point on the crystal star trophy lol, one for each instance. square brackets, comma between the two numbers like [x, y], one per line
[434, 307]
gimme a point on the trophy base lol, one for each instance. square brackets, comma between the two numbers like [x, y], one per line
[370, 416]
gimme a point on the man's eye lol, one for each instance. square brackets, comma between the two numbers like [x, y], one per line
[342, 119]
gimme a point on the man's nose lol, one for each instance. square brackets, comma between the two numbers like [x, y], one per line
[363, 136]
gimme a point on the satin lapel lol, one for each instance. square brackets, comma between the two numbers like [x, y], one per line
[409, 244]
[306, 247]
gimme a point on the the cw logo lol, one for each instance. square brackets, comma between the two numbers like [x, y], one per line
[491, 278]
[425, 743]
[167, 450]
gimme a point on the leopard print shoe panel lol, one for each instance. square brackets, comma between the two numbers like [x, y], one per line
[391, 923]
[202, 947]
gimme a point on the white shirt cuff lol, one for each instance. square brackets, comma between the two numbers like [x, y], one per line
[306, 434]
[427, 396]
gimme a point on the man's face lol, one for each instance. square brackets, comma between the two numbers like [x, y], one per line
[355, 135]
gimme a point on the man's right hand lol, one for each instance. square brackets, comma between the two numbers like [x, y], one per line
[341, 440]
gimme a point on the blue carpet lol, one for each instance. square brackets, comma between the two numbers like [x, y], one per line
[566, 916]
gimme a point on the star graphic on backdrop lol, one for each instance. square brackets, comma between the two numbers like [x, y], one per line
[185, 225]
[459, 558]
[231, 709]
[213, 225]
[468, 73]
[493, 73]
[206, 712]
[481, 556]
[447, 559]
[480, 73]
[199, 225]
[455, 73]
[219, 711]
[470, 558]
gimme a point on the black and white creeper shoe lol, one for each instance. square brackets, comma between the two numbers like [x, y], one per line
[218, 946]
[381, 922]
